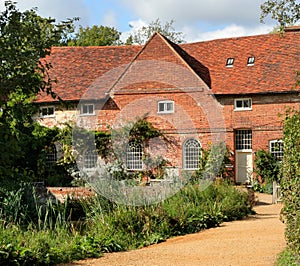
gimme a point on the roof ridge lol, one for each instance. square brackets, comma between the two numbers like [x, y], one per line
[96, 47]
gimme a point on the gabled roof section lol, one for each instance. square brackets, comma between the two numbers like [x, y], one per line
[158, 65]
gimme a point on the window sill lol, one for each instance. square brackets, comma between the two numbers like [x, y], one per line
[87, 114]
[242, 109]
[165, 113]
[47, 116]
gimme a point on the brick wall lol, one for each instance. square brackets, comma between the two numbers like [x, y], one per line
[190, 119]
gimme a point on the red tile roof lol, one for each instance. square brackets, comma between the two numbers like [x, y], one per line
[77, 68]
[276, 61]
[277, 58]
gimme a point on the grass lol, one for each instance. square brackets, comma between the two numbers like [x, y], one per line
[288, 257]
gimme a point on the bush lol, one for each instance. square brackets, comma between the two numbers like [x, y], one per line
[290, 184]
[267, 166]
[190, 210]
[107, 227]
[263, 188]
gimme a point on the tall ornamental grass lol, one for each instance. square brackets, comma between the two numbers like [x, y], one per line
[44, 233]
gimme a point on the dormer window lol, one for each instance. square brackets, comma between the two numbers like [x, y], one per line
[251, 61]
[229, 62]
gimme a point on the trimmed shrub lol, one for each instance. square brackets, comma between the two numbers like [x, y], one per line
[290, 184]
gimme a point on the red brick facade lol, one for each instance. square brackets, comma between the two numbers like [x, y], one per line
[128, 82]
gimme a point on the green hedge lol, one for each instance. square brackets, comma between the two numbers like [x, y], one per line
[290, 184]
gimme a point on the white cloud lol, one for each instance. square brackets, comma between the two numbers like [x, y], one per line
[110, 19]
[202, 20]
[189, 11]
[197, 19]
[193, 34]
[134, 25]
[226, 32]
[58, 9]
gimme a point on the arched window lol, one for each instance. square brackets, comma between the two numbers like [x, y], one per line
[90, 158]
[51, 155]
[191, 154]
[134, 155]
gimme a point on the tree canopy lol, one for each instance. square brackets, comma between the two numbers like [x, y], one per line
[107, 36]
[25, 40]
[142, 35]
[285, 12]
[96, 36]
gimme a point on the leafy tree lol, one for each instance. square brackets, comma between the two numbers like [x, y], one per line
[285, 12]
[168, 30]
[96, 36]
[25, 40]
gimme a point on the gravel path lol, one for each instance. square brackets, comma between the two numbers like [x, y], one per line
[254, 241]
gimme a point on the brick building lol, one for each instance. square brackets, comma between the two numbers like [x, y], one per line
[231, 90]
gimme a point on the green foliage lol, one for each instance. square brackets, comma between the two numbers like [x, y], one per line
[288, 257]
[139, 131]
[167, 29]
[285, 12]
[25, 41]
[267, 166]
[106, 227]
[142, 131]
[290, 184]
[96, 36]
[263, 187]
[103, 143]
[190, 210]
[213, 163]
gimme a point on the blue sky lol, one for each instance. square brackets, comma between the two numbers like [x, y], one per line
[198, 19]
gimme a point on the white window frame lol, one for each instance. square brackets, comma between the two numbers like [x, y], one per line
[47, 108]
[230, 62]
[251, 61]
[51, 155]
[189, 156]
[90, 159]
[82, 113]
[244, 141]
[134, 156]
[165, 108]
[243, 107]
[275, 153]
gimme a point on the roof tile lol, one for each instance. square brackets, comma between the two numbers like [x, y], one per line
[276, 61]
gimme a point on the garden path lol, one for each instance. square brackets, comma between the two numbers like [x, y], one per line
[253, 241]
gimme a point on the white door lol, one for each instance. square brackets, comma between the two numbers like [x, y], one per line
[244, 167]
